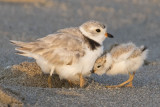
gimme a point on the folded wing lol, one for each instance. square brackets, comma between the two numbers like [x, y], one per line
[60, 48]
[122, 52]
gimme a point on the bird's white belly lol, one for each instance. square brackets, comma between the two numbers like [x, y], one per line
[43, 64]
[89, 59]
[126, 66]
[118, 68]
[70, 72]
[84, 66]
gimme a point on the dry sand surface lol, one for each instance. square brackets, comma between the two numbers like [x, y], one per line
[23, 84]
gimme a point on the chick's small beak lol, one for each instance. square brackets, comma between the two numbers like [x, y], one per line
[92, 71]
[109, 35]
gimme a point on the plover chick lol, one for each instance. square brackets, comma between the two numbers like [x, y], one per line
[121, 59]
[70, 52]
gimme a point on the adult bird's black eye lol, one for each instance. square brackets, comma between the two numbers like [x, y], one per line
[98, 30]
[98, 66]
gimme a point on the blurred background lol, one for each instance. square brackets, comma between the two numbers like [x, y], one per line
[128, 20]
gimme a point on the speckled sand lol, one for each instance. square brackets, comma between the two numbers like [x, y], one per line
[22, 82]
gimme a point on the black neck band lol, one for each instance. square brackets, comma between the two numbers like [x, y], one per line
[92, 44]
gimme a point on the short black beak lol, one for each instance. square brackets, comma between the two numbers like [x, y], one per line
[110, 35]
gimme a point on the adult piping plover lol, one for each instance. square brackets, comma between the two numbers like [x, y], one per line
[70, 53]
[122, 59]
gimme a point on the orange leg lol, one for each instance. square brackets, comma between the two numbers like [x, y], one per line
[50, 83]
[128, 82]
[82, 80]
[70, 83]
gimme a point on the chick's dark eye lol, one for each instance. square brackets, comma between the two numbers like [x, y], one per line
[98, 30]
[98, 66]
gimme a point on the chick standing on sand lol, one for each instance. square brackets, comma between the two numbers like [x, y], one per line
[70, 53]
[122, 59]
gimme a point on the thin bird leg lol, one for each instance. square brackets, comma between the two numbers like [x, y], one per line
[131, 76]
[73, 83]
[70, 83]
[130, 84]
[82, 80]
[50, 83]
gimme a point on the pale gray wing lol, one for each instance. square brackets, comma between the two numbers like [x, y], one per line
[66, 49]
[60, 48]
[122, 51]
[72, 31]
[139, 51]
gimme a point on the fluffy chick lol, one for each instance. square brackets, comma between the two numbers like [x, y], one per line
[121, 59]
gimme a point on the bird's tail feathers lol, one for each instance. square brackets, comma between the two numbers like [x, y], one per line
[144, 50]
[23, 48]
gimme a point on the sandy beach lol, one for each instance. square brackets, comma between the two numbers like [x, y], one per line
[23, 84]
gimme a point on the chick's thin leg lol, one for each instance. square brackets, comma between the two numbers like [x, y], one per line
[82, 80]
[131, 76]
[50, 83]
[130, 84]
